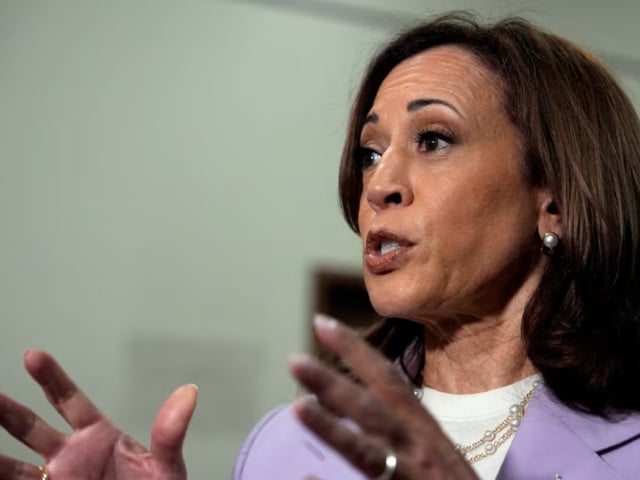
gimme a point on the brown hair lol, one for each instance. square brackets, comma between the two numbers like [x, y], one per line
[581, 139]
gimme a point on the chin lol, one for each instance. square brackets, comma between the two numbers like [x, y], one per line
[392, 302]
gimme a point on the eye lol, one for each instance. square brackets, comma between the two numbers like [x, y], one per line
[367, 158]
[433, 141]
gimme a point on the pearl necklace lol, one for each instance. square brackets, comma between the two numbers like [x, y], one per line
[492, 439]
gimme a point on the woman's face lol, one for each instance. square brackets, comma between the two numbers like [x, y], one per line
[448, 223]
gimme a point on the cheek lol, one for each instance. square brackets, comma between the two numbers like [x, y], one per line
[480, 214]
[364, 217]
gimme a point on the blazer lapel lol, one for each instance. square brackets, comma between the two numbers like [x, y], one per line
[555, 442]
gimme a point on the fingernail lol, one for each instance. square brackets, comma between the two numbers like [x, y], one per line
[299, 359]
[194, 387]
[308, 399]
[324, 322]
[306, 402]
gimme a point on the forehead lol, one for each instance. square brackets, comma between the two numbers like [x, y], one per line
[449, 72]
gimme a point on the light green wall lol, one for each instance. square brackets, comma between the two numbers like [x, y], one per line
[168, 184]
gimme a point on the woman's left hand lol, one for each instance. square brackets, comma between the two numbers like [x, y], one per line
[392, 422]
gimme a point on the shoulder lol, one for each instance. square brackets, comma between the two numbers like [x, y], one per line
[573, 444]
[615, 440]
[280, 447]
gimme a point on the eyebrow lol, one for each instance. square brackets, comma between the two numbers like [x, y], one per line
[425, 102]
[416, 105]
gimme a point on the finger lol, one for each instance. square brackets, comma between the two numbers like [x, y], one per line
[369, 455]
[24, 425]
[12, 469]
[170, 427]
[371, 366]
[361, 451]
[68, 400]
[367, 363]
[343, 396]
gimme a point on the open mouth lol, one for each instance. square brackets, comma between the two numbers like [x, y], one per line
[385, 250]
[382, 242]
[387, 246]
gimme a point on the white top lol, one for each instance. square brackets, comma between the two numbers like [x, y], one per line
[465, 418]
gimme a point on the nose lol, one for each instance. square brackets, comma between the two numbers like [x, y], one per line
[388, 184]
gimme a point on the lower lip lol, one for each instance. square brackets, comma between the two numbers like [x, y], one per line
[383, 263]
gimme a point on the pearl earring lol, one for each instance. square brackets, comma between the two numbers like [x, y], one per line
[549, 242]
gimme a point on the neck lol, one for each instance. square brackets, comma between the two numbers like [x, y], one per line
[478, 358]
[476, 353]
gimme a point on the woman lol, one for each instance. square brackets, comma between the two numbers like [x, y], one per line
[493, 173]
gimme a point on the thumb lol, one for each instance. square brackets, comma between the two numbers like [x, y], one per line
[170, 426]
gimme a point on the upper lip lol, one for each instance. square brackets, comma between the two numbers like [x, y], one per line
[376, 237]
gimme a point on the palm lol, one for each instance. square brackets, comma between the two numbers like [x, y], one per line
[97, 449]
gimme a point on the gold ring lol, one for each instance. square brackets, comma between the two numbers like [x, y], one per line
[43, 471]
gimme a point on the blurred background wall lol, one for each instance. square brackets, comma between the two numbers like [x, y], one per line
[168, 186]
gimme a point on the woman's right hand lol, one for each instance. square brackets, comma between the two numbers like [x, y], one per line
[96, 449]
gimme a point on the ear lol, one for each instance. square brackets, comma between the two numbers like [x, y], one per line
[549, 218]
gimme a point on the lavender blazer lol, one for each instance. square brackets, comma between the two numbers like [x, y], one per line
[552, 443]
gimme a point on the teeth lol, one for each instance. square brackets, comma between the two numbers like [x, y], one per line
[388, 246]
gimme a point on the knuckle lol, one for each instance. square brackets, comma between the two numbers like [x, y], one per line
[368, 459]
[18, 424]
[21, 470]
[398, 436]
[59, 394]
